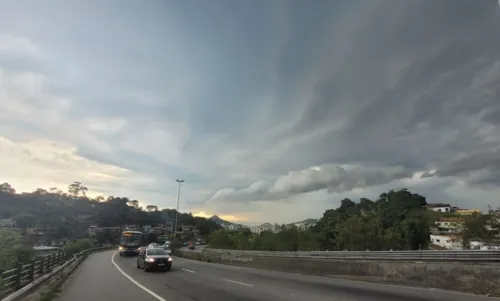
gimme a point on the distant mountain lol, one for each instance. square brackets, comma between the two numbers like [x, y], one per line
[268, 226]
[220, 221]
[307, 222]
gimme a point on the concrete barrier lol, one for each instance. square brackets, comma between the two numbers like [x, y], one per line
[478, 278]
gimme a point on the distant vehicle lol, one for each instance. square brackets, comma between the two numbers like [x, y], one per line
[191, 246]
[130, 242]
[166, 247]
[162, 239]
[153, 245]
[154, 258]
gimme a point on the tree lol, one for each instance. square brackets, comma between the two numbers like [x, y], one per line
[151, 208]
[14, 249]
[480, 227]
[71, 214]
[77, 189]
[6, 188]
[41, 192]
[133, 203]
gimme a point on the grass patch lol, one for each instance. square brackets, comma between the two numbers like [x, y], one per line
[55, 287]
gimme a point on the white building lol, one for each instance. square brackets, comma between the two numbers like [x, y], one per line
[449, 242]
[7, 223]
[262, 228]
[440, 207]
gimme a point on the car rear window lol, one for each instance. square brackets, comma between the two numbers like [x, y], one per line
[156, 252]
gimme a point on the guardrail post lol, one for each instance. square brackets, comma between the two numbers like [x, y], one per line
[51, 261]
[42, 266]
[31, 275]
[19, 271]
[1, 283]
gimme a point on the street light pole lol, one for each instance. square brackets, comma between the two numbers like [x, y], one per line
[177, 211]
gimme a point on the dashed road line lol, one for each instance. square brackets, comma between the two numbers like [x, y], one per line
[241, 283]
[134, 281]
[190, 271]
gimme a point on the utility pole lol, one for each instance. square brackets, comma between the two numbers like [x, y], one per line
[177, 211]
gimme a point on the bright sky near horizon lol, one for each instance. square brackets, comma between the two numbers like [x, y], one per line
[271, 111]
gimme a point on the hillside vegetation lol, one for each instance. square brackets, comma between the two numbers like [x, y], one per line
[71, 211]
[394, 221]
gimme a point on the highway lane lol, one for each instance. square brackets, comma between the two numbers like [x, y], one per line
[193, 280]
[97, 279]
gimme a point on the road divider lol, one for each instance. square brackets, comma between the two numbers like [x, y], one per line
[467, 271]
[190, 271]
[240, 283]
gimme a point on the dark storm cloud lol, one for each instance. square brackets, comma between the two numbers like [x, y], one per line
[230, 93]
[418, 88]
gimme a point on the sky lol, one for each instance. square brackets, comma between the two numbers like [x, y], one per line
[271, 111]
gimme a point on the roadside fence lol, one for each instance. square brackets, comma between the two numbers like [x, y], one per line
[418, 255]
[24, 277]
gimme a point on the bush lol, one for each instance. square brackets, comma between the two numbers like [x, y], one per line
[76, 246]
[13, 249]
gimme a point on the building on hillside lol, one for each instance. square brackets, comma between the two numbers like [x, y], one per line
[93, 230]
[43, 227]
[264, 227]
[7, 223]
[159, 230]
[467, 211]
[232, 227]
[169, 227]
[439, 207]
[446, 225]
[10, 224]
[450, 242]
[132, 228]
[255, 229]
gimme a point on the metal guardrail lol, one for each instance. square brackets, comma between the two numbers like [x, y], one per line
[422, 255]
[18, 277]
[41, 268]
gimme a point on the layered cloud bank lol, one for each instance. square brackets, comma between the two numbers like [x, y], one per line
[331, 177]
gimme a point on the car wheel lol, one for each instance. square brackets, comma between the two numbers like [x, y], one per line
[146, 269]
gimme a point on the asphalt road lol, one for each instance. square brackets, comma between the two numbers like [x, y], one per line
[104, 277]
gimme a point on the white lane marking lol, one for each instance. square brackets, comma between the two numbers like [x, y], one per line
[190, 271]
[134, 281]
[237, 282]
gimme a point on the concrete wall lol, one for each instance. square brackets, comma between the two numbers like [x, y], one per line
[481, 279]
